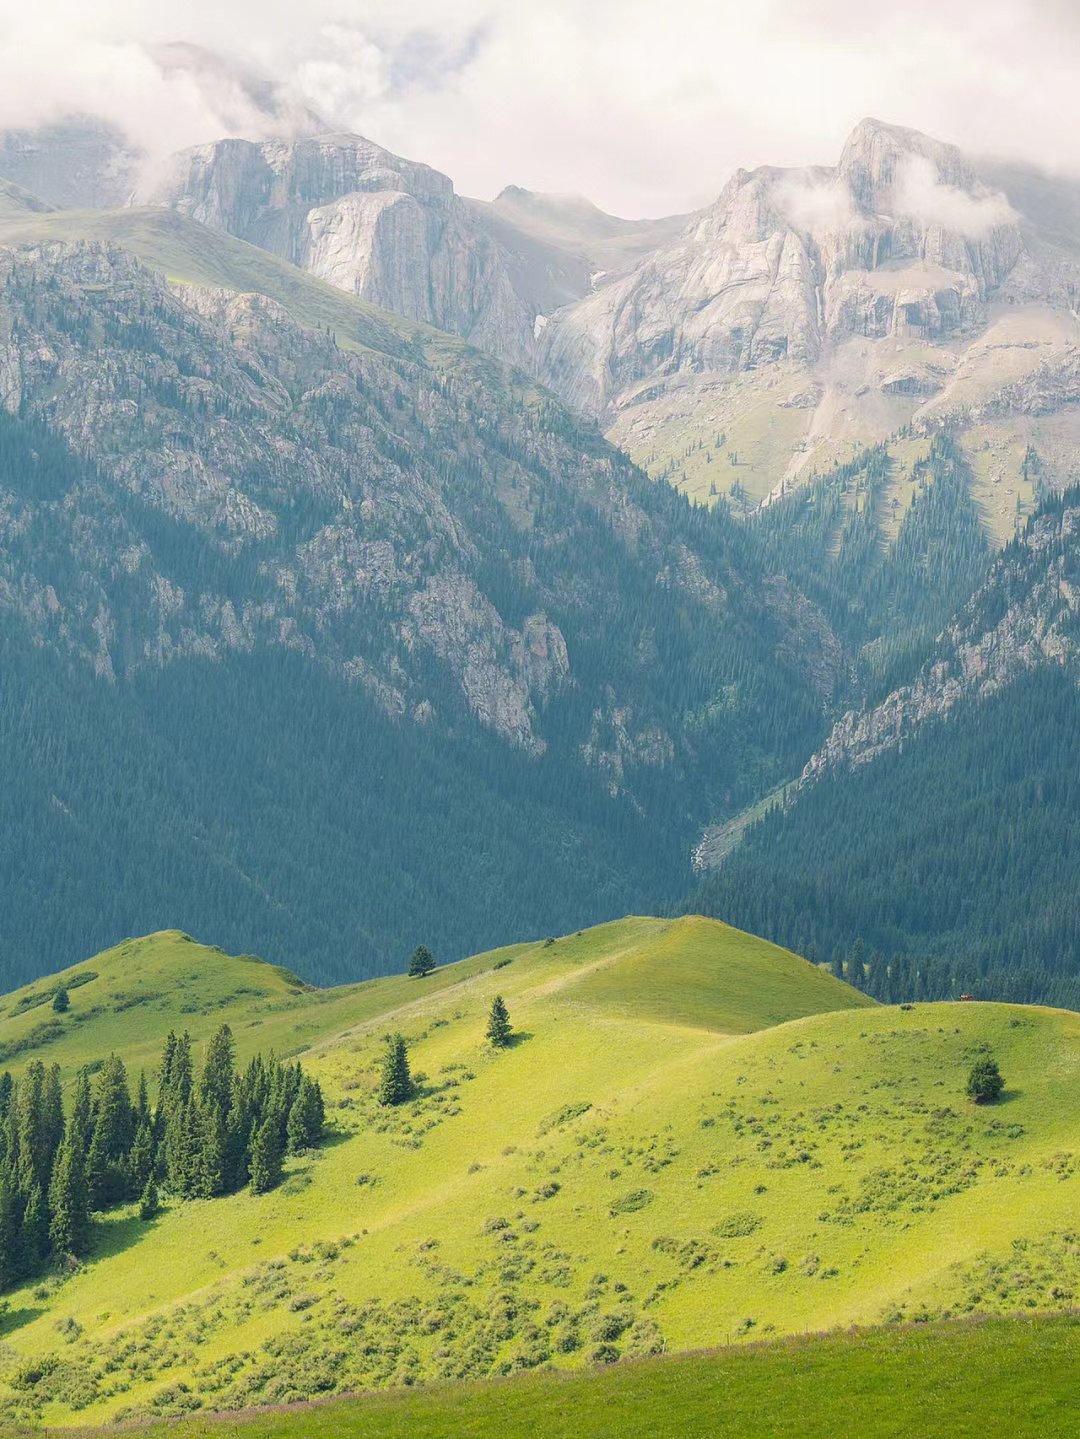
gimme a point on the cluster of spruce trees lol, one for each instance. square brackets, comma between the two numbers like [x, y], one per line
[208, 1134]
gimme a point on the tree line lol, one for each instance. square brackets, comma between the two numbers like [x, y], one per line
[209, 1133]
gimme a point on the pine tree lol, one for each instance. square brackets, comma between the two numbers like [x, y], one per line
[213, 1157]
[68, 1198]
[82, 1111]
[396, 1085]
[856, 964]
[142, 1104]
[9, 1232]
[52, 1120]
[114, 1130]
[216, 1081]
[7, 1085]
[36, 1227]
[141, 1159]
[149, 1200]
[421, 963]
[266, 1156]
[305, 1117]
[499, 1029]
[61, 1001]
[13, 1265]
[985, 1083]
[29, 1138]
[183, 1150]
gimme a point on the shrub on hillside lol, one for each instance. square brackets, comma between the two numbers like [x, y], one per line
[985, 1083]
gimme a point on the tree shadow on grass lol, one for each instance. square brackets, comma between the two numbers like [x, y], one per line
[12, 1319]
[331, 1137]
[112, 1235]
[519, 1036]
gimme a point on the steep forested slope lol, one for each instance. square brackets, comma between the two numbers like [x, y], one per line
[935, 836]
[888, 573]
[947, 866]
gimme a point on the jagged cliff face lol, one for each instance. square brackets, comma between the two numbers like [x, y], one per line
[1024, 618]
[367, 221]
[806, 314]
[395, 233]
[900, 239]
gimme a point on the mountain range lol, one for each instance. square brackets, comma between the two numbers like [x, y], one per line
[322, 485]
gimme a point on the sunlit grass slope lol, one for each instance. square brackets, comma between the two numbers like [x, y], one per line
[942, 1381]
[649, 1167]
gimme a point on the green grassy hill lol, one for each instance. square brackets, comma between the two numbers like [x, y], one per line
[1000, 1376]
[698, 1138]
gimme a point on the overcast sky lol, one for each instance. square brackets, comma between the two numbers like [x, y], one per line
[646, 106]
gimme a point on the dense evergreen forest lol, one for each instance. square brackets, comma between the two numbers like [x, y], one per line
[208, 1134]
[888, 602]
[944, 867]
[267, 807]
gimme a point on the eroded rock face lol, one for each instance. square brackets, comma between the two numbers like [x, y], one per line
[899, 239]
[386, 229]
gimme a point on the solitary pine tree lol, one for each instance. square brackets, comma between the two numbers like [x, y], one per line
[61, 1003]
[499, 1029]
[421, 963]
[396, 1085]
[985, 1082]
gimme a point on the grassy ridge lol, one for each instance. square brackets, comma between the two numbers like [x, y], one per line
[634, 1174]
[956, 1381]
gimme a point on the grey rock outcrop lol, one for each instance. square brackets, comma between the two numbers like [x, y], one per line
[387, 229]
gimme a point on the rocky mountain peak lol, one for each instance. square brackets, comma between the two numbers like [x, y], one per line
[899, 241]
[876, 157]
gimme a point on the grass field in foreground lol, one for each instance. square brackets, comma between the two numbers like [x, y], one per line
[697, 1138]
[1019, 1378]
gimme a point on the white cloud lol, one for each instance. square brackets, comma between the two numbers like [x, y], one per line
[645, 108]
[813, 204]
[921, 194]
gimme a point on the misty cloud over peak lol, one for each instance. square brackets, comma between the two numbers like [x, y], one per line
[645, 112]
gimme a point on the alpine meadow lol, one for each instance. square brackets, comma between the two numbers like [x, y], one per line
[539, 818]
